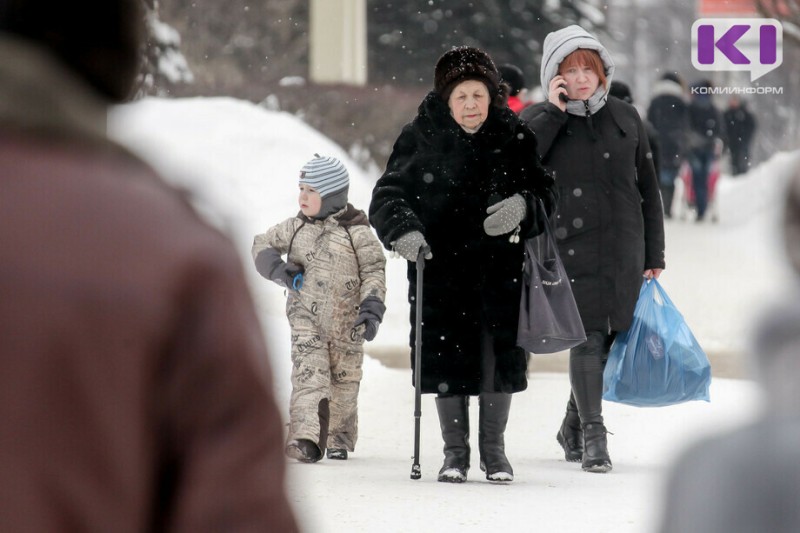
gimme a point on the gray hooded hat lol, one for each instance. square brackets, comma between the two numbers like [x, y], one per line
[557, 46]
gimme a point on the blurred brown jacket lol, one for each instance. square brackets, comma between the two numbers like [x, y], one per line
[135, 388]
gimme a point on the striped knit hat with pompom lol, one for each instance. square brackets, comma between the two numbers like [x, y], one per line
[326, 175]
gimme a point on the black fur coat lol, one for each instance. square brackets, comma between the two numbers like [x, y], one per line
[439, 180]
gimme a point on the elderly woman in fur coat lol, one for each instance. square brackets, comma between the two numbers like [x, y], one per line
[463, 182]
[610, 225]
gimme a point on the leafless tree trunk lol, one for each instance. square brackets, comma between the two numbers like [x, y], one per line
[787, 11]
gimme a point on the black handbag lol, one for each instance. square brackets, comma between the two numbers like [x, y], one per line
[549, 321]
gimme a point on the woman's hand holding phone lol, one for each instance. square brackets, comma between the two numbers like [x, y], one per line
[557, 94]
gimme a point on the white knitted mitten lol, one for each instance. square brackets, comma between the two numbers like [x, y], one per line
[505, 216]
[408, 245]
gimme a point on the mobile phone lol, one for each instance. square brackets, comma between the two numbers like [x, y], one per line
[561, 96]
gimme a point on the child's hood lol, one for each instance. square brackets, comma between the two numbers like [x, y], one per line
[346, 217]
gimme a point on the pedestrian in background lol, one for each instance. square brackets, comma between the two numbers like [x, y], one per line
[514, 77]
[464, 180]
[609, 228]
[135, 386]
[669, 114]
[705, 132]
[739, 127]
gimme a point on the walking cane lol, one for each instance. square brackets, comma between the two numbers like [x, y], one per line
[416, 472]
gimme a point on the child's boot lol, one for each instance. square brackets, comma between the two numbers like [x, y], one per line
[337, 453]
[303, 450]
[306, 450]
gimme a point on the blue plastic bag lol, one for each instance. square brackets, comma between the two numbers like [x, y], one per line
[657, 361]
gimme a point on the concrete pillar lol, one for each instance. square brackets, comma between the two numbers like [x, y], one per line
[338, 41]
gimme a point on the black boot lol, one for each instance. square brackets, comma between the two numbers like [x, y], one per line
[570, 436]
[493, 417]
[586, 363]
[595, 454]
[454, 421]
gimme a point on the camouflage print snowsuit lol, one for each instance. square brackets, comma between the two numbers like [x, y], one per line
[344, 263]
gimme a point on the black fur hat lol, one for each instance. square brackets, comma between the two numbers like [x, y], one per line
[468, 63]
[104, 48]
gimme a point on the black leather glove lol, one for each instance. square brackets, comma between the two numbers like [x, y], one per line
[370, 315]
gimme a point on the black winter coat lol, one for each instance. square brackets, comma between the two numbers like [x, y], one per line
[669, 115]
[705, 125]
[609, 223]
[439, 180]
[739, 127]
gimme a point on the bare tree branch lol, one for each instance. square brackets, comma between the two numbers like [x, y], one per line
[787, 12]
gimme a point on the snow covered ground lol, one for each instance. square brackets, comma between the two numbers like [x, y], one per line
[242, 162]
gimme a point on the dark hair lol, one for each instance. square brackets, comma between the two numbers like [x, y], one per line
[101, 40]
[704, 83]
[673, 76]
[621, 91]
[512, 75]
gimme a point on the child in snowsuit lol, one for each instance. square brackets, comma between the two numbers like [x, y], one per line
[334, 276]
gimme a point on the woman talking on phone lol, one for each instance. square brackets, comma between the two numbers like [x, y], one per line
[609, 223]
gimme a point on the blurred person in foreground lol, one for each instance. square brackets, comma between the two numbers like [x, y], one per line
[747, 479]
[610, 225]
[135, 391]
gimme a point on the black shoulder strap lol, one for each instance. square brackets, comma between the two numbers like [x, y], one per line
[291, 241]
[353, 246]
